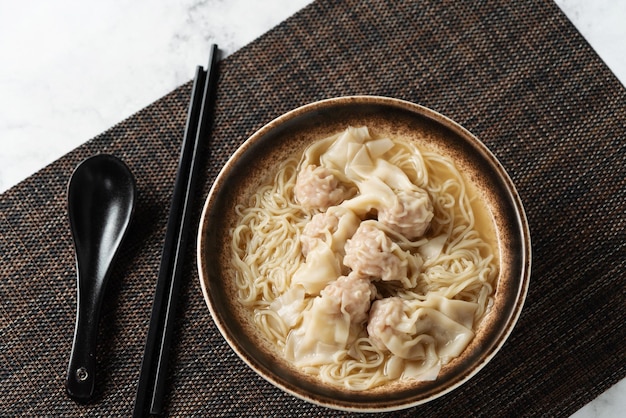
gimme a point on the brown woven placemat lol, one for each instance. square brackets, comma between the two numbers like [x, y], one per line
[516, 74]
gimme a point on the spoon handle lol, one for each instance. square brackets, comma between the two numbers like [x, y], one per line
[80, 381]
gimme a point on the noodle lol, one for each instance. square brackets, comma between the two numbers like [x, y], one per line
[450, 269]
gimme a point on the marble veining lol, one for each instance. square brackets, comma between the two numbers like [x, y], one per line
[71, 69]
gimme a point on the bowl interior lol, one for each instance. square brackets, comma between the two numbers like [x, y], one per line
[289, 135]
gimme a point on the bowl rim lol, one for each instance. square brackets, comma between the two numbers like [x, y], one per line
[438, 118]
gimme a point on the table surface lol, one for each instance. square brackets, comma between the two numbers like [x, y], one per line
[73, 70]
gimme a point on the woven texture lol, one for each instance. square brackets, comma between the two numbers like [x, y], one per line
[516, 74]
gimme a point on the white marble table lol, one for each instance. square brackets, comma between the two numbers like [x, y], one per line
[71, 69]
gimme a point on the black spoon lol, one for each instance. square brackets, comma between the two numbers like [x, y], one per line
[101, 198]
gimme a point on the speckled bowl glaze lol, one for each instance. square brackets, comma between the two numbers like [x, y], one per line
[289, 134]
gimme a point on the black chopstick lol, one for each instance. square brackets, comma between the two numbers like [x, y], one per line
[152, 378]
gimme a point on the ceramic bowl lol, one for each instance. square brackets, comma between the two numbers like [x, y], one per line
[291, 133]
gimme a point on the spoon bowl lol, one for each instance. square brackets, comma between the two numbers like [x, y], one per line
[101, 199]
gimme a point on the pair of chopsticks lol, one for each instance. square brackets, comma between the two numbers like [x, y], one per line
[154, 366]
